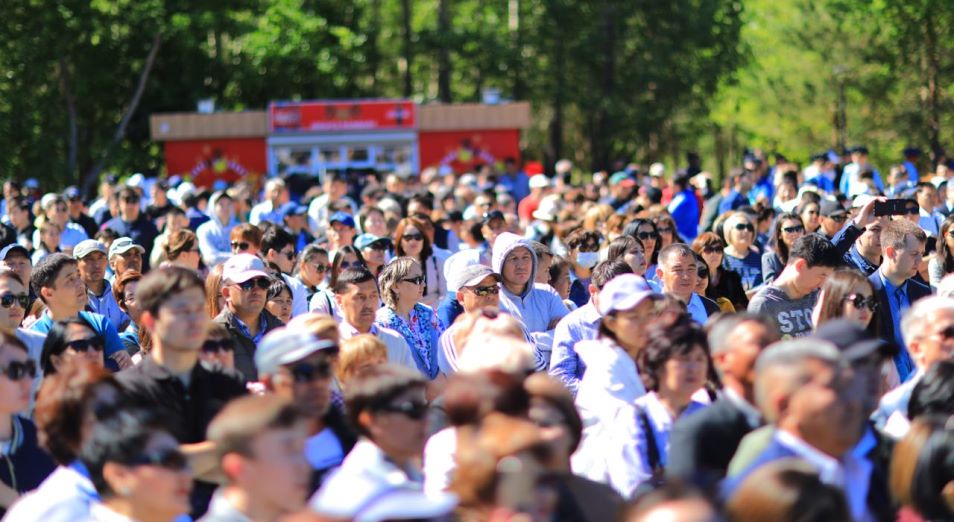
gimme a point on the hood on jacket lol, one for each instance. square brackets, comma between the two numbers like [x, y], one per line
[210, 209]
[507, 242]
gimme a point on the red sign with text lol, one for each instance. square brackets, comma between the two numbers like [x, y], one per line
[347, 115]
[207, 161]
[463, 151]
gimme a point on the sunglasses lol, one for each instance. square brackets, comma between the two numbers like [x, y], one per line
[288, 255]
[240, 246]
[415, 410]
[744, 226]
[484, 291]
[840, 218]
[7, 300]
[381, 245]
[793, 230]
[84, 345]
[18, 370]
[912, 211]
[664, 230]
[712, 249]
[169, 458]
[261, 282]
[321, 269]
[643, 236]
[419, 280]
[130, 200]
[859, 302]
[344, 265]
[307, 372]
[222, 345]
[412, 237]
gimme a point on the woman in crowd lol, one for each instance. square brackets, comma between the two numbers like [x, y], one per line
[630, 250]
[787, 490]
[401, 285]
[560, 279]
[411, 240]
[70, 339]
[323, 301]
[139, 471]
[666, 228]
[182, 249]
[645, 231]
[788, 227]
[312, 268]
[357, 355]
[49, 235]
[740, 254]
[674, 366]
[279, 300]
[723, 283]
[175, 220]
[371, 220]
[922, 470]
[702, 285]
[246, 239]
[124, 291]
[70, 403]
[219, 347]
[27, 464]
[375, 250]
[214, 301]
[942, 262]
[809, 211]
[846, 294]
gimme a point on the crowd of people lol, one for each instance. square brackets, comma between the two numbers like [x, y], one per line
[506, 344]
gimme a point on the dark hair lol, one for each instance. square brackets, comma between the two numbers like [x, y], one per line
[374, 389]
[12, 340]
[120, 439]
[276, 239]
[836, 288]
[6, 273]
[423, 199]
[632, 228]
[606, 271]
[421, 227]
[946, 259]
[179, 242]
[55, 342]
[339, 258]
[469, 397]
[672, 490]
[352, 276]
[247, 232]
[580, 237]
[278, 285]
[666, 342]
[621, 246]
[162, 283]
[542, 386]
[558, 265]
[816, 250]
[787, 490]
[775, 241]
[62, 405]
[934, 393]
[540, 250]
[47, 270]
[127, 191]
[922, 465]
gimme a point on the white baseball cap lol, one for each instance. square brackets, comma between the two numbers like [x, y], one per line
[657, 169]
[623, 292]
[242, 267]
[539, 181]
[284, 346]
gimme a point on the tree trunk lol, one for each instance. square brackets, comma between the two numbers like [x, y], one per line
[599, 137]
[516, 53]
[374, 49]
[933, 88]
[443, 52]
[559, 93]
[65, 86]
[408, 51]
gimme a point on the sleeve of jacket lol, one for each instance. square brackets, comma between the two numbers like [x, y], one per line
[684, 445]
[564, 361]
[845, 238]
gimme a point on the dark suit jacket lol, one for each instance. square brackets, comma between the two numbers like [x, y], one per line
[883, 324]
[712, 307]
[702, 445]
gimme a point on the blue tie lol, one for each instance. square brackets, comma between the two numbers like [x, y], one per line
[903, 360]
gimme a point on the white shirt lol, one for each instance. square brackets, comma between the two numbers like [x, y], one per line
[65, 496]
[299, 295]
[398, 350]
[323, 302]
[439, 461]
[100, 513]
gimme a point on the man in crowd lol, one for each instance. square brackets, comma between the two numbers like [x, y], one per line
[741, 184]
[684, 207]
[213, 235]
[276, 195]
[356, 294]
[902, 247]
[538, 306]
[260, 444]
[124, 255]
[245, 289]
[90, 257]
[677, 273]
[77, 211]
[832, 216]
[581, 324]
[341, 232]
[702, 445]
[295, 219]
[278, 249]
[18, 210]
[171, 380]
[16, 258]
[789, 299]
[132, 223]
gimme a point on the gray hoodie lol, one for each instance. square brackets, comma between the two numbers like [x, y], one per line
[539, 304]
[213, 236]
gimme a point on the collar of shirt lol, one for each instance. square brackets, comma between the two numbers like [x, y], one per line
[9, 447]
[830, 471]
[753, 417]
[347, 329]
[696, 309]
[243, 328]
[107, 289]
[891, 289]
[860, 260]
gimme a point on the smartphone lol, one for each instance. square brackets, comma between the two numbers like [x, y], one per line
[891, 207]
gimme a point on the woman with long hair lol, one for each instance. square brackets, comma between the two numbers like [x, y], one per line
[323, 301]
[942, 262]
[645, 231]
[810, 212]
[70, 339]
[846, 294]
[788, 227]
[723, 283]
[411, 240]
[629, 250]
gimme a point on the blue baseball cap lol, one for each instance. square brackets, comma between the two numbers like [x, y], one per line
[293, 209]
[365, 240]
[343, 218]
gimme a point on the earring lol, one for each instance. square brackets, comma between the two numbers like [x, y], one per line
[124, 491]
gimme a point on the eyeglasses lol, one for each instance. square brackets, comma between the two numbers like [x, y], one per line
[912, 211]
[215, 346]
[793, 230]
[84, 345]
[666, 230]
[240, 246]
[307, 372]
[7, 300]
[17, 370]
[415, 410]
[261, 282]
[859, 302]
[643, 236]
[412, 237]
[168, 458]
[321, 269]
[288, 255]
[712, 249]
[419, 280]
[484, 291]
[744, 226]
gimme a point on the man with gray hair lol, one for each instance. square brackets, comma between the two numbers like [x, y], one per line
[803, 389]
[928, 330]
[677, 274]
[702, 445]
[276, 195]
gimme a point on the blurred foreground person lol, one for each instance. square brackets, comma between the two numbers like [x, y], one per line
[922, 470]
[672, 502]
[787, 490]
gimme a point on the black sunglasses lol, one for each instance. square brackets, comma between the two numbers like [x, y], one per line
[307, 372]
[643, 236]
[792, 230]
[838, 217]
[380, 245]
[321, 268]
[288, 255]
[17, 370]
[222, 345]
[261, 282]
[168, 458]
[664, 230]
[239, 246]
[130, 200]
[712, 249]
[415, 410]
[484, 291]
[413, 237]
[912, 210]
[7, 300]
[85, 345]
[744, 226]
[859, 301]
[419, 280]
[344, 265]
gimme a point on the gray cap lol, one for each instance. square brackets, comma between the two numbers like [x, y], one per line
[14, 247]
[121, 245]
[87, 247]
[283, 346]
[470, 275]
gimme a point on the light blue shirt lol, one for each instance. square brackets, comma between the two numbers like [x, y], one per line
[536, 308]
[581, 324]
[898, 302]
[107, 306]
[65, 496]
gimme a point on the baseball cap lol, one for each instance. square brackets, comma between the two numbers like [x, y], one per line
[71, 192]
[852, 341]
[284, 346]
[343, 218]
[470, 275]
[657, 169]
[539, 181]
[621, 178]
[87, 247]
[457, 263]
[547, 210]
[121, 245]
[492, 215]
[13, 247]
[293, 209]
[137, 180]
[830, 208]
[365, 240]
[623, 292]
[242, 267]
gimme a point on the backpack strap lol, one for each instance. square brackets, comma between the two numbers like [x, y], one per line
[652, 448]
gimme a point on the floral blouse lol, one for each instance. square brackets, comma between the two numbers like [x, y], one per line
[421, 333]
